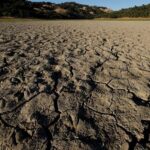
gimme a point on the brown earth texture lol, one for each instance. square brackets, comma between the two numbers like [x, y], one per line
[75, 85]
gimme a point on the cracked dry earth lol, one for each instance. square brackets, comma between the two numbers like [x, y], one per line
[75, 85]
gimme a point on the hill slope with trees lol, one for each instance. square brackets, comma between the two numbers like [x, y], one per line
[47, 10]
[137, 11]
[68, 10]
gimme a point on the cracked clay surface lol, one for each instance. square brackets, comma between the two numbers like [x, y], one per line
[75, 85]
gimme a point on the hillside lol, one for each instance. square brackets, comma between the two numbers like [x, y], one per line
[70, 10]
[140, 11]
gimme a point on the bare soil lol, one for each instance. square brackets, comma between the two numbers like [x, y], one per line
[75, 85]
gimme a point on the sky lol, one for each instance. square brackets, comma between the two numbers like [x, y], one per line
[113, 4]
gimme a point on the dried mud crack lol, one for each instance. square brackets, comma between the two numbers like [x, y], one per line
[81, 85]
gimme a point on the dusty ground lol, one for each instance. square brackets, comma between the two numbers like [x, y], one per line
[75, 85]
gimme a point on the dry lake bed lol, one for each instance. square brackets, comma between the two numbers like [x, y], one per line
[75, 85]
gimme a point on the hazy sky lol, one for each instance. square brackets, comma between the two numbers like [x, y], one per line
[114, 4]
